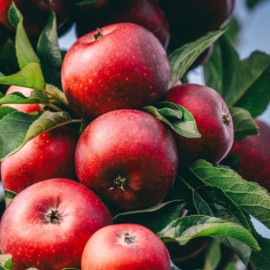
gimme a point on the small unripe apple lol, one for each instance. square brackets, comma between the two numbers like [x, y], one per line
[213, 119]
[146, 13]
[253, 156]
[120, 66]
[125, 246]
[128, 158]
[49, 155]
[47, 225]
[27, 108]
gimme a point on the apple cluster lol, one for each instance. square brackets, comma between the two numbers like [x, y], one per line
[69, 179]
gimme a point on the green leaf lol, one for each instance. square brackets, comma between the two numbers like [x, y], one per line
[248, 196]
[155, 218]
[176, 117]
[9, 196]
[6, 262]
[56, 94]
[30, 76]
[14, 15]
[243, 123]
[182, 230]
[8, 54]
[213, 255]
[5, 111]
[183, 58]
[13, 128]
[251, 4]
[49, 52]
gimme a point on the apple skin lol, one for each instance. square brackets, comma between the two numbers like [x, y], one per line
[213, 120]
[146, 13]
[253, 155]
[47, 225]
[27, 108]
[125, 246]
[191, 19]
[128, 158]
[49, 155]
[36, 12]
[125, 68]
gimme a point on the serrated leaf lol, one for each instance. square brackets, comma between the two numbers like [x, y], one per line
[213, 255]
[248, 196]
[49, 52]
[14, 15]
[176, 117]
[6, 262]
[183, 58]
[243, 123]
[9, 196]
[30, 76]
[182, 230]
[155, 218]
[13, 128]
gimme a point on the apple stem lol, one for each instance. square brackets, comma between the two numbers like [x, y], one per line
[119, 182]
[98, 34]
[226, 118]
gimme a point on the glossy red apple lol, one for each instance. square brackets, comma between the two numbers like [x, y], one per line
[146, 13]
[191, 19]
[213, 119]
[27, 108]
[128, 158]
[120, 66]
[36, 13]
[47, 225]
[125, 246]
[49, 155]
[253, 156]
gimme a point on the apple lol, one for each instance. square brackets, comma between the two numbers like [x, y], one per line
[125, 246]
[128, 158]
[49, 155]
[47, 225]
[36, 12]
[27, 108]
[191, 19]
[120, 66]
[146, 13]
[253, 156]
[213, 119]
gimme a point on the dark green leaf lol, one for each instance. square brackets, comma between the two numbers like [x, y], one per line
[176, 117]
[30, 76]
[213, 255]
[182, 230]
[183, 58]
[243, 123]
[6, 262]
[56, 94]
[248, 196]
[14, 15]
[5, 110]
[50, 53]
[155, 218]
[8, 54]
[9, 196]
[253, 3]
[86, 2]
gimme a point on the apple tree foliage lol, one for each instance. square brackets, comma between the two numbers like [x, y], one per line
[221, 203]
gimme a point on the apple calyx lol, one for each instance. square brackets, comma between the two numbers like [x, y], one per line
[119, 182]
[98, 34]
[226, 118]
[128, 238]
[53, 217]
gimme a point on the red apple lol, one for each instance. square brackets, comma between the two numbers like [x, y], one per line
[47, 225]
[36, 12]
[128, 158]
[253, 155]
[27, 108]
[213, 119]
[120, 66]
[191, 19]
[146, 13]
[125, 246]
[49, 155]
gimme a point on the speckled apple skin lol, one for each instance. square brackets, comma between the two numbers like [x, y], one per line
[207, 107]
[34, 242]
[131, 144]
[254, 156]
[49, 155]
[126, 68]
[145, 251]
